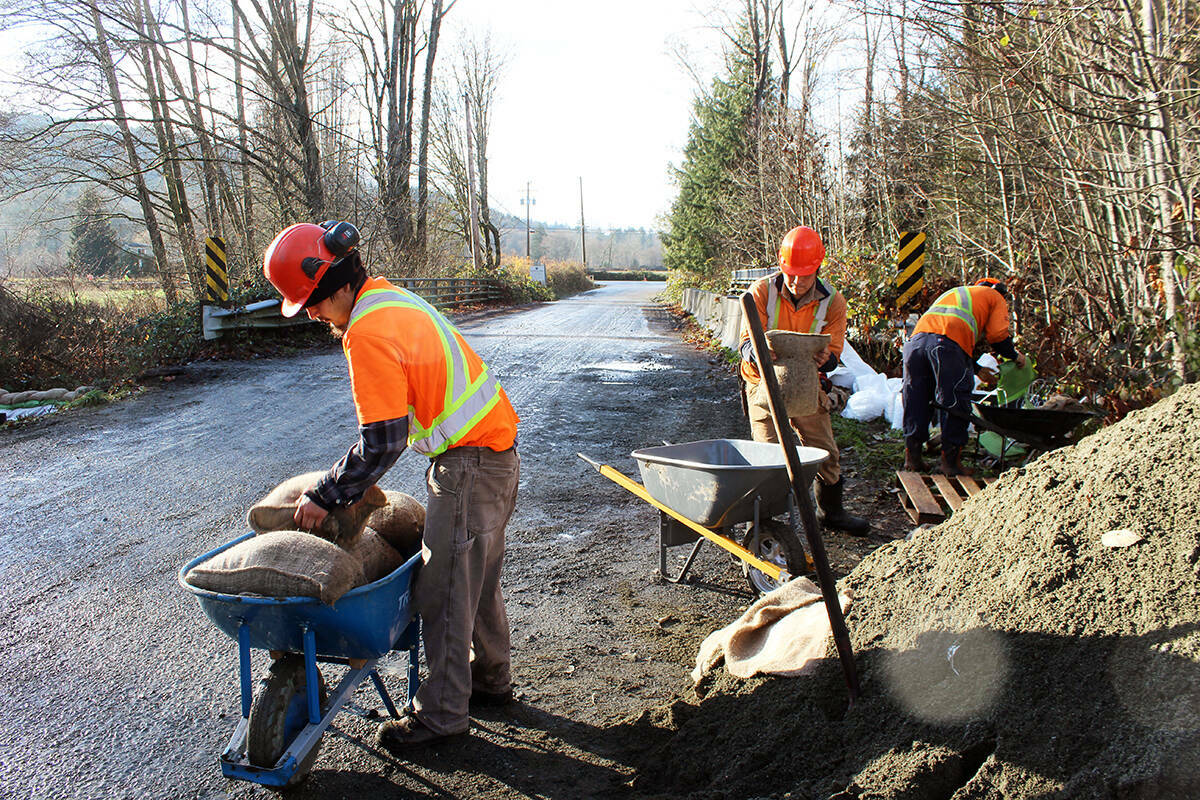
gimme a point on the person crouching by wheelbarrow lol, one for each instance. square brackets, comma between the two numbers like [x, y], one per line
[796, 299]
[416, 381]
[939, 366]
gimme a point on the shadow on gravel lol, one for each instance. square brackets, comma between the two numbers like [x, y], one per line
[958, 711]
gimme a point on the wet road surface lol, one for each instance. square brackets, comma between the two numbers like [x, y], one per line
[118, 686]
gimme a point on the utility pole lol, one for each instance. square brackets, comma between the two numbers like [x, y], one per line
[471, 201]
[528, 202]
[582, 226]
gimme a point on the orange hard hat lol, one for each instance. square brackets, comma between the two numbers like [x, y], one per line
[298, 258]
[801, 251]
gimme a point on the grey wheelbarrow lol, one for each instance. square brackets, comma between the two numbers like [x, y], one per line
[731, 492]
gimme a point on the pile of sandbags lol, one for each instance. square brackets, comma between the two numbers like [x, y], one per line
[48, 396]
[353, 546]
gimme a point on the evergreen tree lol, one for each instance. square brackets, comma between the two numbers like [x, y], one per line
[717, 145]
[94, 247]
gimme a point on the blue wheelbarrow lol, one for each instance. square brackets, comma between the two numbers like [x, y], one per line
[277, 739]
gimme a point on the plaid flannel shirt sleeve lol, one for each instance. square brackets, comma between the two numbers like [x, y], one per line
[379, 445]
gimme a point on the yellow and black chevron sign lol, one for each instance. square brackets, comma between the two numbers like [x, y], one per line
[910, 267]
[216, 272]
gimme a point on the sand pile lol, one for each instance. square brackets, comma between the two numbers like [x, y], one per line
[1007, 653]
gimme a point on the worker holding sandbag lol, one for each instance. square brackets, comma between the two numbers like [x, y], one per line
[796, 299]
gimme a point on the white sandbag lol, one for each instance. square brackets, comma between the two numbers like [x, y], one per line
[895, 410]
[842, 377]
[865, 406]
[853, 362]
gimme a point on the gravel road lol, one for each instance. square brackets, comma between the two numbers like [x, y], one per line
[118, 686]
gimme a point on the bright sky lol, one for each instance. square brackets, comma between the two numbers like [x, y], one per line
[591, 90]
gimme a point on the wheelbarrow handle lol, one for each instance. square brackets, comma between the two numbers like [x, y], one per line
[1017, 436]
[625, 482]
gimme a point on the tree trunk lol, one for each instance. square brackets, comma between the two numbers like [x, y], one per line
[135, 166]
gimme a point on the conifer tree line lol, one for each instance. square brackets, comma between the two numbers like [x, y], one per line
[239, 117]
[1053, 145]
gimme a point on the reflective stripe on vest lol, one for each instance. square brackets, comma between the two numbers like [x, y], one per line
[775, 305]
[466, 402]
[957, 303]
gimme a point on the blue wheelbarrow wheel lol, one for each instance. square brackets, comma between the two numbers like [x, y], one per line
[279, 712]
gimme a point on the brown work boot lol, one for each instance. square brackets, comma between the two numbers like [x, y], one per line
[951, 463]
[406, 732]
[913, 461]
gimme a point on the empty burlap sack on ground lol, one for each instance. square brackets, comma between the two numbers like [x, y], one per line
[281, 564]
[342, 526]
[783, 633]
[378, 558]
[401, 522]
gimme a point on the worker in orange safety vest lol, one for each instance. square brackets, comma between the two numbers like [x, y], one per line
[417, 383]
[796, 299]
[939, 366]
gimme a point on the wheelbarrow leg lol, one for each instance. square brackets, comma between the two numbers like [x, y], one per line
[662, 562]
[244, 669]
[383, 694]
[310, 676]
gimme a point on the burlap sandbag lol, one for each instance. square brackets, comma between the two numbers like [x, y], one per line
[795, 370]
[378, 558]
[401, 522]
[343, 525]
[281, 564]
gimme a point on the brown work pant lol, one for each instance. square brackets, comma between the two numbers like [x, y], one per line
[472, 492]
[815, 430]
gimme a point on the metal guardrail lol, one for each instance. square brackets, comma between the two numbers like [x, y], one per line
[742, 278]
[453, 292]
[440, 292]
[263, 314]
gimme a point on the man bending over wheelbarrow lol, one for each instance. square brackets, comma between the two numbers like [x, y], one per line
[416, 382]
[795, 299]
[939, 364]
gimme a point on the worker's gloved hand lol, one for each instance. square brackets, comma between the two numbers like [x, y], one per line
[821, 356]
[308, 514]
[1021, 360]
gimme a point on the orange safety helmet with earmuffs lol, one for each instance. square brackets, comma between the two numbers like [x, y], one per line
[302, 255]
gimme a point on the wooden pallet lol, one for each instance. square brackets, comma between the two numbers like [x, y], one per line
[924, 506]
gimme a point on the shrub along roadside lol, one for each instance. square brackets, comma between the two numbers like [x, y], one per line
[52, 339]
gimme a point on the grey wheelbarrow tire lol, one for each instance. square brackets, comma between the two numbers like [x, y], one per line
[778, 543]
[271, 728]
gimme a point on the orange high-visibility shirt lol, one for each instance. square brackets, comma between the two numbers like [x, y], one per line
[403, 355]
[952, 315]
[790, 318]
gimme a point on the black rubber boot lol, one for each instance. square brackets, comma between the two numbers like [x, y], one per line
[829, 498]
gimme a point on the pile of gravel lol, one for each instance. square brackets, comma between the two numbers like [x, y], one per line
[1007, 653]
